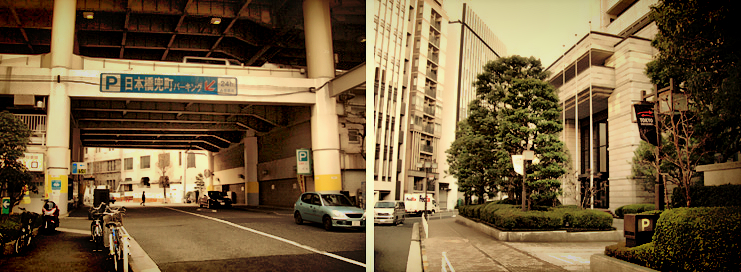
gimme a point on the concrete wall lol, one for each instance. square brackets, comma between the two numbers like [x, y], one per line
[721, 173]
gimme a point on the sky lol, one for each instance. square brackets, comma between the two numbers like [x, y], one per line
[538, 28]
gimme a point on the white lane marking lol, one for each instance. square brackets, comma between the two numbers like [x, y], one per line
[74, 231]
[276, 238]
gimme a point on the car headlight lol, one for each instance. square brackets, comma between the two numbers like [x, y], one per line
[339, 214]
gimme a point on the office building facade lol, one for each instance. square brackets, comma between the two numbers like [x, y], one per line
[599, 79]
[409, 56]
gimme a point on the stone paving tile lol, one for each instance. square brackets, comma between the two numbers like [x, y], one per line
[470, 250]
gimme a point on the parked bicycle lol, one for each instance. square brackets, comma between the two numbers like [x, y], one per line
[26, 235]
[96, 227]
[113, 220]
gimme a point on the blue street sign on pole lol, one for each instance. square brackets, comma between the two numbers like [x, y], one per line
[167, 84]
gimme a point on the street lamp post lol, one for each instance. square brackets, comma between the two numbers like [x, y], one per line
[427, 165]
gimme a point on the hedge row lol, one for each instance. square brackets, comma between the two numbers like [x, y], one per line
[511, 217]
[640, 255]
[699, 239]
[708, 196]
[689, 239]
[633, 209]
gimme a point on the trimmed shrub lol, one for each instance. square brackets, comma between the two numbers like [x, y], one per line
[588, 219]
[511, 217]
[633, 209]
[708, 196]
[698, 239]
[641, 255]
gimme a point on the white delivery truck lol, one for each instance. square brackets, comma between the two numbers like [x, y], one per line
[415, 203]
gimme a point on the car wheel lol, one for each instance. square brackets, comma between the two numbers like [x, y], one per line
[327, 223]
[396, 223]
[297, 217]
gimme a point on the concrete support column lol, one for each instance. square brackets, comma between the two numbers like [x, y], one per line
[62, 31]
[58, 117]
[325, 137]
[210, 181]
[252, 191]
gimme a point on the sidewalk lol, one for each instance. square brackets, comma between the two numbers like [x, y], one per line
[470, 250]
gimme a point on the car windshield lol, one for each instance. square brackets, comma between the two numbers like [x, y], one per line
[216, 194]
[336, 200]
[384, 204]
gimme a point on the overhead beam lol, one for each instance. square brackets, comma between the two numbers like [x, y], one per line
[349, 80]
[175, 31]
[229, 27]
[157, 126]
[20, 25]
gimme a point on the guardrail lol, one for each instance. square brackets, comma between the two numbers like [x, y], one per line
[126, 248]
[446, 266]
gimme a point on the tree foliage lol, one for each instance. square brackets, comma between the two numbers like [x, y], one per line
[515, 110]
[698, 48]
[14, 176]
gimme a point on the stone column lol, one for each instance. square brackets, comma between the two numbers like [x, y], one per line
[252, 187]
[325, 139]
[58, 116]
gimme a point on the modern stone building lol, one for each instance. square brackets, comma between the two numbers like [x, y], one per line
[599, 79]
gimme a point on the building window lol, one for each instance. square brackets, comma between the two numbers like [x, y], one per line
[191, 160]
[144, 162]
[128, 163]
[353, 136]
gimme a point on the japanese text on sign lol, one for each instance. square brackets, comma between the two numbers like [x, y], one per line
[133, 83]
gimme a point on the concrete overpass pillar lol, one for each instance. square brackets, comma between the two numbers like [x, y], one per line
[325, 137]
[59, 110]
[210, 181]
[252, 187]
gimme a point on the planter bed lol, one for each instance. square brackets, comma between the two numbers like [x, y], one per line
[543, 235]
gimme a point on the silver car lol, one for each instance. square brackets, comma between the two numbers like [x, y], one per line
[332, 210]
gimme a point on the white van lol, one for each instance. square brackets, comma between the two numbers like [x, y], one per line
[415, 203]
[389, 211]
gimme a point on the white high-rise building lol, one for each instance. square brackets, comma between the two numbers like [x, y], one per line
[409, 60]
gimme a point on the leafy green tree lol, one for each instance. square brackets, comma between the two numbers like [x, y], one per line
[470, 159]
[515, 110]
[699, 46]
[200, 182]
[14, 176]
[699, 49]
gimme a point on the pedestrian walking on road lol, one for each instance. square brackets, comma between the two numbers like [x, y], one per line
[144, 199]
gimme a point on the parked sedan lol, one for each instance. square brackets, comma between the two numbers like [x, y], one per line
[213, 199]
[332, 210]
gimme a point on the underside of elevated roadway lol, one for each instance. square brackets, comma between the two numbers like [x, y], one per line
[263, 45]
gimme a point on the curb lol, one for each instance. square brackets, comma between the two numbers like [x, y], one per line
[543, 236]
[422, 248]
[414, 260]
[138, 259]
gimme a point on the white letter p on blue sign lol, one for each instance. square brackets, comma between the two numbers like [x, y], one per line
[112, 83]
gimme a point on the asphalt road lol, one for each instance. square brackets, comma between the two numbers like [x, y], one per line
[188, 238]
[391, 245]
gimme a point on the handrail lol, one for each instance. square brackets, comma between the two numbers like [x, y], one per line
[446, 264]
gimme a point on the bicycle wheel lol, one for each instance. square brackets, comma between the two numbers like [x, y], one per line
[19, 243]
